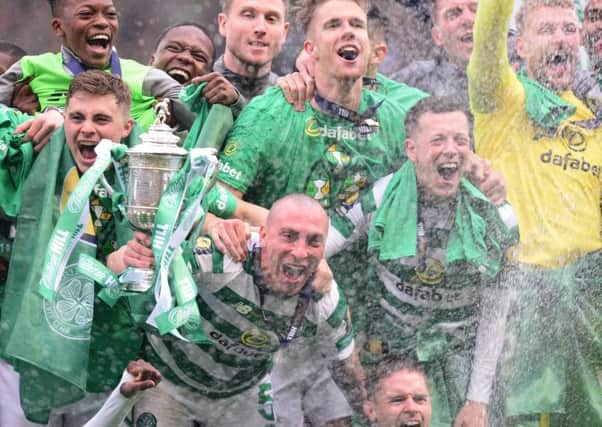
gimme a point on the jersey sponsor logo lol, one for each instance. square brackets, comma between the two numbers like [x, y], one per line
[433, 274]
[231, 148]
[70, 314]
[313, 130]
[224, 167]
[376, 346]
[255, 338]
[233, 346]
[574, 138]
[419, 292]
[222, 200]
[567, 161]
[443, 298]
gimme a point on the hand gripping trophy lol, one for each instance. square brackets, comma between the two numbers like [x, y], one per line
[151, 166]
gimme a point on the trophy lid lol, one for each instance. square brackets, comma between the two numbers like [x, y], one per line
[160, 138]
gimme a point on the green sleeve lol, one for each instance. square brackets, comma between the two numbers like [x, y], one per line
[489, 64]
[16, 159]
[260, 124]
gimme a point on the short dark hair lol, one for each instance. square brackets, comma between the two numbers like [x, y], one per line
[436, 105]
[199, 27]
[12, 50]
[380, 370]
[377, 25]
[225, 4]
[55, 7]
[97, 82]
[305, 10]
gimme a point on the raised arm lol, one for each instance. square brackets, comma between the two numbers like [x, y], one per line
[489, 67]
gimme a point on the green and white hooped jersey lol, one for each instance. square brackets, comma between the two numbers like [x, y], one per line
[441, 307]
[241, 331]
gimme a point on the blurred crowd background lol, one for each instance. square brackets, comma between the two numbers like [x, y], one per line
[27, 23]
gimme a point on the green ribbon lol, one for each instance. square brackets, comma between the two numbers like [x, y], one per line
[165, 316]
[72, 223]
[543, 106]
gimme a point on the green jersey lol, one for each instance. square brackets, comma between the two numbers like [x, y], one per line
[244, 333]
[273, 150]
[51, 77]
[403, 95]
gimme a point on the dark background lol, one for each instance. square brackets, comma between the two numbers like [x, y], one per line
[27, 24]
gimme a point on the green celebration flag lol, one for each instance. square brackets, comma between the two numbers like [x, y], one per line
[25, 330]
[48, 342]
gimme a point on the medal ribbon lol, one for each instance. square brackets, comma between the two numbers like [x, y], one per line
[302, 301]
[365, 122]
[76, 67]
[72, 223]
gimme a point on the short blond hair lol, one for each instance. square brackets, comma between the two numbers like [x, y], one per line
[529, 5]
[306, 9]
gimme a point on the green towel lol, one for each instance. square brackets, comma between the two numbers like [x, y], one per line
[15, 160]
[543, 106]
[219, 118]
[24, 330]
[478, 235]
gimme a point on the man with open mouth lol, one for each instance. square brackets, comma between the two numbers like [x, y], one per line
[428, 293]
[39, 185]
[184, 51]
[452, 22]
[88, 31]
[397, 393]
[251, 310]
[592, 27]
[527, 123]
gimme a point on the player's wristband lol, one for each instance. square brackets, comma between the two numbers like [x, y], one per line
[221, 202]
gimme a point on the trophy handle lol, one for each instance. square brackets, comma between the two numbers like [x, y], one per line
[106, 185]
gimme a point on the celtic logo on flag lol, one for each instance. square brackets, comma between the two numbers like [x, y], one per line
[70, 314]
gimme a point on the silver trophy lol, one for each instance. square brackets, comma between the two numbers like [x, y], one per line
[151, 165]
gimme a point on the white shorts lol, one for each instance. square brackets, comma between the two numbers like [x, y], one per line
[303, 387]
[171, 405]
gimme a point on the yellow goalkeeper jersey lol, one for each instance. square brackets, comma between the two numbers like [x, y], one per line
[553, 178]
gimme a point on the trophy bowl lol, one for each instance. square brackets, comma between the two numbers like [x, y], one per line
[151, 165]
